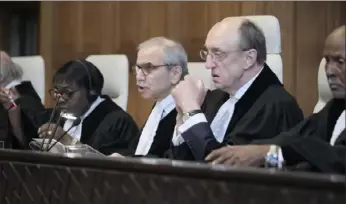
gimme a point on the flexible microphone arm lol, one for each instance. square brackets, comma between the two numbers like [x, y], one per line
[50, 121]
[54, 131]
[75, 123]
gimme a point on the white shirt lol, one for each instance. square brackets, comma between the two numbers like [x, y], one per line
[160, 110]
[221, 120]
[13, 84]
[76, 131]
[338, 128]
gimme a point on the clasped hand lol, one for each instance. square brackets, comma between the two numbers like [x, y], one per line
[188, 94]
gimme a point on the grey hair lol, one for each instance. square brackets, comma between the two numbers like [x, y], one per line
[173, 52]
[252, 37]
[9, 71]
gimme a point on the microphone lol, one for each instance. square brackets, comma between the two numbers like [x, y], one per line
[75, 123]
[50, 120]
[54, 131]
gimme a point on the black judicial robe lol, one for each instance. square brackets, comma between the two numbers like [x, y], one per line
[265, 110]
[308, 142]
[162, 140]
[29, 101]
[107, 129]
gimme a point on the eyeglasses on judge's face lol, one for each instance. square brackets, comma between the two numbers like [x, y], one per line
[147, 68]
[62, 94]
[217, 55]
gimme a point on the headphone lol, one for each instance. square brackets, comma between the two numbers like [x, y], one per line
[92, 95]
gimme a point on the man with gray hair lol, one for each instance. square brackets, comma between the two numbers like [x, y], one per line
[249, 104]
[14, 92]
[161, 64]
[10, 73]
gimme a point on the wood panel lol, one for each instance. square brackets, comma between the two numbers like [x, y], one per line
[83, 28]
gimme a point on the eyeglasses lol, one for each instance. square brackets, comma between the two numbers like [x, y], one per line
[147, 68]
[65, 95]
[215, 55]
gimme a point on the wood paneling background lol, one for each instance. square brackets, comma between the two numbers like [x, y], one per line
[76, 29]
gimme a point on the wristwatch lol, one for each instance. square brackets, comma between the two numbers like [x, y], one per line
[273, 159]
[187, 115]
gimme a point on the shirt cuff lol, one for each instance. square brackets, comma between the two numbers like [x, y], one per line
[198, 118]
[177, 138]
[281, 158]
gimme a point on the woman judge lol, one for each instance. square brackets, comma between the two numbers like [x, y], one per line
[99, 122]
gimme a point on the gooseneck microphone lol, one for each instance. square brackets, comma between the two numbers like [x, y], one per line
[55, 129]
[50, 120]
[75, 123]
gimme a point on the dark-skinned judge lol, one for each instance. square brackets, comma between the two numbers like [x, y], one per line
[104, 126]
[25, 96]
[316, 143]
[161, 64]
[249, 103]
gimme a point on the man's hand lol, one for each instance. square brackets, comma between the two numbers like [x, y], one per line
[116, 155]
[243, 155]
[188, 94]
[45, 131]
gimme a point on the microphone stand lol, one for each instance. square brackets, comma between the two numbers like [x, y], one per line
[50, 121]
[54, 131]
[75, 123]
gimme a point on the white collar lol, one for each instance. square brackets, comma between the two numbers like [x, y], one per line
[245, 87]
[92, 107]
[13, 84]
[167, 103]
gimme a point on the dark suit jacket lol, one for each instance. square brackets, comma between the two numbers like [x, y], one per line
[309, 141]
[107, 129]
[265, 110]
[162, 139]
[28, 101]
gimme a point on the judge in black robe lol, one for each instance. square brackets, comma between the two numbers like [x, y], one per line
[235, 53]
[77, 89]
[155, 78]
[309, 144]
[22, 93]
[264, 111]
[29, 101]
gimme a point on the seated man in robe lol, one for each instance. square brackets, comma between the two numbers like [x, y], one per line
[316, 140]
[11, 81]
[249, 103]
[102, 124]
[161, 64]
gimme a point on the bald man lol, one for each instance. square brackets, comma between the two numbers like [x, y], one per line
[249, 104]
[317, 144]
[22, 93]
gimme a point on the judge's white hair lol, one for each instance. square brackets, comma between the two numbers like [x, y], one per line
[173, 52]
[9, 71]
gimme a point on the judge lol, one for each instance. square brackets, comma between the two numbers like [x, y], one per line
[25, 97]
[249, 104]
[161, 64]
[103, 125]
[317, 142]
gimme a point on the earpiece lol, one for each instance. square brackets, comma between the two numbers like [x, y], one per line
[92, 94]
